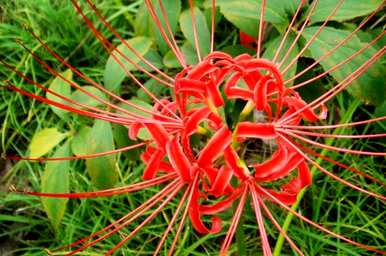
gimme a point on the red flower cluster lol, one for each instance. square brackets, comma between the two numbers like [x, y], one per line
[195, 143]
[210, 168]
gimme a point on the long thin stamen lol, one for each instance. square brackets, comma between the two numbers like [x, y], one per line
[103, 193]
[32, 82]
[167, 24]
[261, 25]
[349, 151]
[334, 126]
[337, 136]
[88, 156]
[73, 84]
[107, 45]
[191, 188]
[212, 25]
[263, 234]
[151, 201]
[147, 220]
[332, 175]
[235, 220]
[80, 111]
[328, 53]
[346, 167]
[338, 65]
[311, 10]
[171, 187]
[194, 27]
[142, 58]
[277, 225]
[171, 222]
[176, 51]
[313, 37]
[366, 247]
[339, 87]
[288, 31]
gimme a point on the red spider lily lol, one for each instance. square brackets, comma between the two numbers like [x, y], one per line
[200, 93]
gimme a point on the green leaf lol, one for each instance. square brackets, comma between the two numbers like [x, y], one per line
[139, 103]
[122, 139]
[370, 87]
[61, 87]
[45, 140]
[143, 22]
[201, 27]
[114, 73]
[273, 45]
[246, 14]
[83, 98]
[154, 58]
[79, 143]
[102, 170]
[55, 179]
[189, 53]
[172, 10]
[154, 87]
[348, 10]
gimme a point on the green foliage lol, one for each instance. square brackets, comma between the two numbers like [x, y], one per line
[349, 9]
[45, 140]
[369, 85]
[117, 64]
[81, 97]
[102, 170]
[327, 202]
[201, 27]
[61, 87]
[56, 179]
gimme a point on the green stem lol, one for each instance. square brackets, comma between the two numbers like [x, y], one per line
[287, 222]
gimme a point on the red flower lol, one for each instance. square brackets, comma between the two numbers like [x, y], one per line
[216, 166]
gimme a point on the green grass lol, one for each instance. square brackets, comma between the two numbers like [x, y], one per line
[24, 227]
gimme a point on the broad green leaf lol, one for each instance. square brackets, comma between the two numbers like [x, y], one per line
[189, 53]
[45, 140]
[122, 140]
[201, 27]
[246, 14]
[55, 179]
[79, 143]
[172, 11]
[154, 87]
[273, 45]
[143, 22]
[114, 73]
[83, 98]
[348, 10]
[102, 170]
[143, 134]
[154, 58]
[370, 87]
[141, 104]
[59, 86]
[235, 50]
